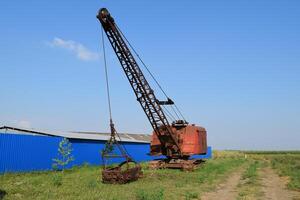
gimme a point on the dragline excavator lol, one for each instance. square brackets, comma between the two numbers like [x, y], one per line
[178, 140]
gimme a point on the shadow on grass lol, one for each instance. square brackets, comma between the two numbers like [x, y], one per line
[2, 194]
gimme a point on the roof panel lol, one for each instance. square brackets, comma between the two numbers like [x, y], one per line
[125, 137]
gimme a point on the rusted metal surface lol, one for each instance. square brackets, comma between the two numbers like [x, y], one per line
[185, 165]
[192, 140]
[119, 175]
[126, 171]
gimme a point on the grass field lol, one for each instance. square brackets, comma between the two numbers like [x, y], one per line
[249, 185]
[85, 182]
[287, 166]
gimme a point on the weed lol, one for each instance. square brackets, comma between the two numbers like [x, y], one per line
[217, 168]
[57, 179]
[84, 182]
[249, 186]
[287, 165]
[64, 155]
[272, 152]
[191, 195]
[179, 185]
[142, 194]
[251, 173]
[92, 183]
[86, 164]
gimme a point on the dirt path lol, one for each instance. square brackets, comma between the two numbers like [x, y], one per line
[274, 187]
[226, 190]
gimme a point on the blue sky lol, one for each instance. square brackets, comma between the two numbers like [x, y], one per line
[231, 66]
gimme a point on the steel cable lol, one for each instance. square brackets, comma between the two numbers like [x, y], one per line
[106, 75]
[121, 147]
[151, 74]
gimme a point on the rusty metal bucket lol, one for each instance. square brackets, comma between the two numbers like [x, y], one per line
[127, 170]
[123, 173]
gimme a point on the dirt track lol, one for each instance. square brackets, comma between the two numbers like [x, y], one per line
[273, 187]
[226, 190]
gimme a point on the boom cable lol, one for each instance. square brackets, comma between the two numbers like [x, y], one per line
[151, 74]
[175, 112]
[106, 76]
[179, 112]
[142, 62]
[168, 113]
[122, 148]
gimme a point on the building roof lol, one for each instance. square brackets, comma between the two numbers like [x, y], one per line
[125, 137]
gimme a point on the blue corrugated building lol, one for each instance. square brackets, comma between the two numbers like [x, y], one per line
[29, 150]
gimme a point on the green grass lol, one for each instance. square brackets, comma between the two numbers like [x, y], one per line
[144, 194]
[191, 195]
[287, 165]
[251, 173]
[85, 183]
[271, 152]
[249, 186]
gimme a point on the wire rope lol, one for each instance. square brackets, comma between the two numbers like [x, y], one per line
[121, 147]
[169, 114]
[179, 112]
[175, 112]
[151, 74]
[106, 76]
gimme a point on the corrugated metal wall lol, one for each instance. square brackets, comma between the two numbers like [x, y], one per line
[31, 153]
[26, 152]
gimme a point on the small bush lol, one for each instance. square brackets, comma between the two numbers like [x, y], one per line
[251, 173]
[57, 180]
[64, 155]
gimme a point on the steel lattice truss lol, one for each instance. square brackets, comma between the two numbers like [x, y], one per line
[144, 93]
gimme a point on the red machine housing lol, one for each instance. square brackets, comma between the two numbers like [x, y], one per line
[191, 140]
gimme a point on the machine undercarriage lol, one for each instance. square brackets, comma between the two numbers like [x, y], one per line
[175, 163]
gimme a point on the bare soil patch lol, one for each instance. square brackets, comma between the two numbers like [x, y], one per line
[274, 186]
[226, 190]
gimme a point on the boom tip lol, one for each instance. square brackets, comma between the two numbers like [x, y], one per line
[102, 13]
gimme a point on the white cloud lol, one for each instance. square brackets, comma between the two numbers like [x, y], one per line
[24, 124]
[78, 49]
